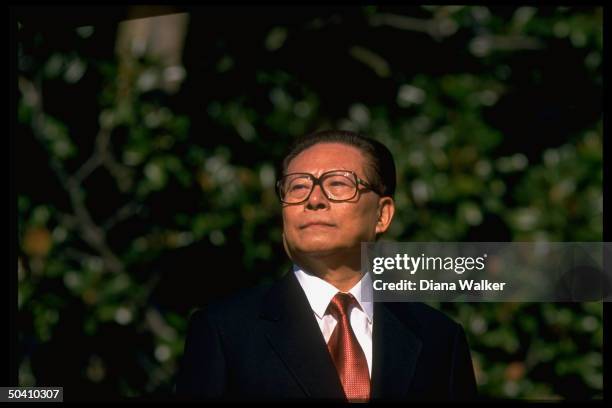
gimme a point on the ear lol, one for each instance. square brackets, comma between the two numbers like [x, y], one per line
[386, 210]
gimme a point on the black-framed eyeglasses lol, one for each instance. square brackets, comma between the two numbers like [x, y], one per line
[337, 185]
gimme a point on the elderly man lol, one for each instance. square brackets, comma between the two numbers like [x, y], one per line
[312, 335]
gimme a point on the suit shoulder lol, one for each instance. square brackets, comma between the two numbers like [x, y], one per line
[242, 304]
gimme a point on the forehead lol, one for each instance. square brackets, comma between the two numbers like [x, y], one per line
[323, 157]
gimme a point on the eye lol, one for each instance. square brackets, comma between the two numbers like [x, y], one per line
[299, 186]
[296, 187]
[337, 181]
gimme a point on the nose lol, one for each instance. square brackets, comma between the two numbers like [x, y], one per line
[317, 199]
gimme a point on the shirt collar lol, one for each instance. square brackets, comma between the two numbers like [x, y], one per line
[320, 292]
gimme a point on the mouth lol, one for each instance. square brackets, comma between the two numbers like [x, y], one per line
[316, 225]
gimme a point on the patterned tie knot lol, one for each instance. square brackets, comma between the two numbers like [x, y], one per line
[340, 304]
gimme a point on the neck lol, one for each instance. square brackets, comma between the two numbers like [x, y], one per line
[340, 273]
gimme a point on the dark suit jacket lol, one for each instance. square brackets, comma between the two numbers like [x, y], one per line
[265, 344]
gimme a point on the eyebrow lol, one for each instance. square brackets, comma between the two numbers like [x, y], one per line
[324, 171]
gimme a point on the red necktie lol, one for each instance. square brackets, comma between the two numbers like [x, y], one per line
[346, 352]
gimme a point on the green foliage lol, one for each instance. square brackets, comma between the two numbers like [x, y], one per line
[454, 175]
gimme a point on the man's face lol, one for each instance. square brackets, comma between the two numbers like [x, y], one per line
[319, 227]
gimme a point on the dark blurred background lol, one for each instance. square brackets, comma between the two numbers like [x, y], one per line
[146, 152]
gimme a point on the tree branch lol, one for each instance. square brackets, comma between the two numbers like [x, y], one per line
[91, 233]
[123, 214]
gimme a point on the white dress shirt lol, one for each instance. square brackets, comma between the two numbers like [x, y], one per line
[320, 293]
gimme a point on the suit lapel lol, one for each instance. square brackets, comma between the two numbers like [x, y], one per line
[293, 332]
[395, 353]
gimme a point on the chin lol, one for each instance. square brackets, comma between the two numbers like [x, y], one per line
[314, 246]
[316, 250]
